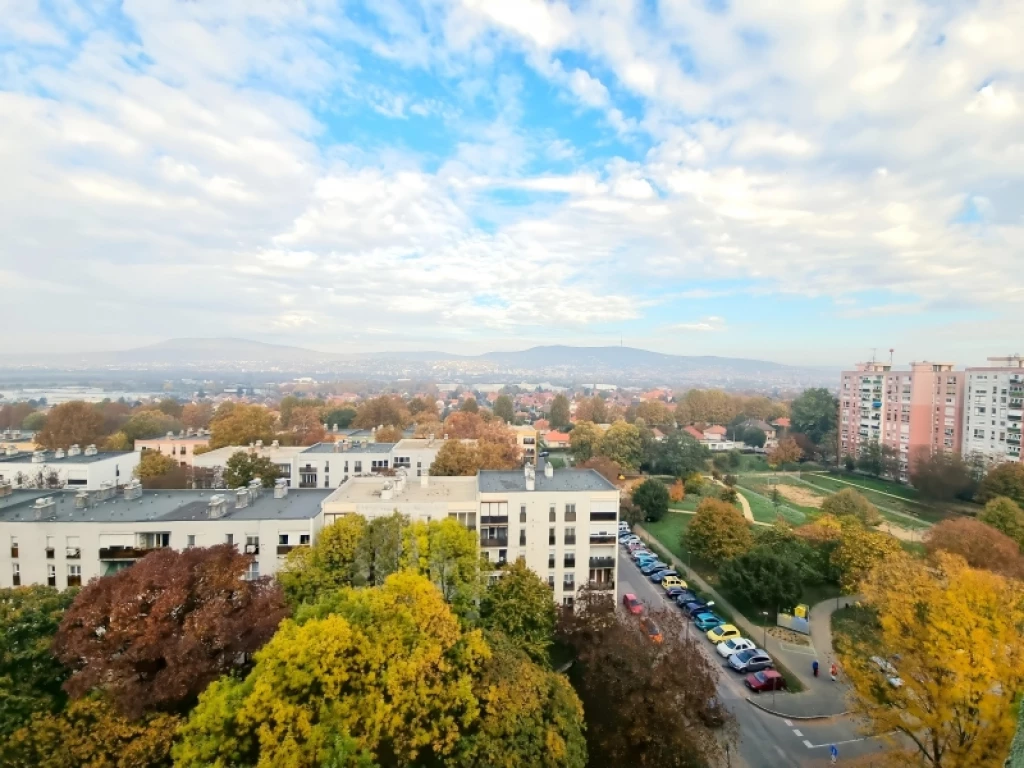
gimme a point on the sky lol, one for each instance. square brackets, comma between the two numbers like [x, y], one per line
[802, 181]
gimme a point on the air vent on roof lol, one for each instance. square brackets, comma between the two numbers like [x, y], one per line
[5, 489]
[217, 507]
[241, 498]
[38, 457]
[12, 450]
[81, 500]
[280, 489]
[74, 450]
[90, 450]
[133, 490]
[59, 453]
[45, 508]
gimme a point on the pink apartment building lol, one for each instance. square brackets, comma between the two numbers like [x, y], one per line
[915, 412]
[181, 447]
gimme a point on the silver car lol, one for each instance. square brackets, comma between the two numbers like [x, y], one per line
[750, 661]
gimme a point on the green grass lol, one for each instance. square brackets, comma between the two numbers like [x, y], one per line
[763, 485]
[763, 510]
[854, 626]
[669, 531]
[920, 510]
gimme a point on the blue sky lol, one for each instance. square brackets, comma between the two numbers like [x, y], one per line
[802, 181]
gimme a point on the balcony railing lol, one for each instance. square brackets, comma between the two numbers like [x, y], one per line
[284, 549]
[602, 586]
[604, 515]
[493, 520]
[602, 562]
[602, 538]
[569, 562]
[124, 553]
[570, 540]
[495, 542]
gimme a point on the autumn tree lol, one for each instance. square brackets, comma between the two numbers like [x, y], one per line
[448, 554]
[859, 551]
[306, 424]
[290, 403]
[718, 532]
[309, 573]
[497, 447]
[1005, 479]
[504, 409]
[423, 408]
[241, 425]
[814, 413]
[242, 467]
[766, 578]
[519, 605]
[469, 405]
[654, 413]
[559, 415]
[154, 464]
[677, 492]
[1005, 516]
[652, 498]
[454, 459]
[608, 469]
[707, 406]
[382, 411]
[71, 423]
[13, 415]
[146, 423]
[30, 677]
[942, 476]
[954, 634]
[678, 455]
[980, 545]
[463, 425]
[155, 635]
[592, 409]
[786, 451]
[197, 415]
[584, 440]
[621, 443]
[849, 502]
[388, 434]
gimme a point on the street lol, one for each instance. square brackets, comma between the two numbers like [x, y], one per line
[766, 741]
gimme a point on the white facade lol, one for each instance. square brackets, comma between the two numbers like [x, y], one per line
[993, 410]
[76, 468]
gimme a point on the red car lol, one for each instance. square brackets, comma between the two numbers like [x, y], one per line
[765, 680]
[633, 605]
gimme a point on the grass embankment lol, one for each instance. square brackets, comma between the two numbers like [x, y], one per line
[924, 514]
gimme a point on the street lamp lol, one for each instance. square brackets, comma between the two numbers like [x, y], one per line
[765, 614]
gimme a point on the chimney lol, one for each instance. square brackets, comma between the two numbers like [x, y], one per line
[430, 439]
[90, 450]
[38, 457]
[170, 435]
[81, 500]
[12, 450]
[74, 450]
[387, 492]
[217, 507]
[59, 453]
[531, 481]
[259, 445]
[5, 490]
[275, 444]
[241, 498]
[280, 489]
[133, 490]
[425, 480]
[549, 471]
[44, 508]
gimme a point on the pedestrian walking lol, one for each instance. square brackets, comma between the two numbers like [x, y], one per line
[814, 666]
[834, 670]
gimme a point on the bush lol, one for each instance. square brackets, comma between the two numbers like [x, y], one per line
[730, 480]
[728, 495]
[694, 483]
[848, 502]
[652, 497]
[766, 578]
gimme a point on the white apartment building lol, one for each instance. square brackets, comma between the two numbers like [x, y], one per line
[563, 523]
[75, 467]
[64, 538]
[993, 411]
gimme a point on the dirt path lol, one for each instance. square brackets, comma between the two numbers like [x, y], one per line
[903, 534]
[743, 502]
[802, 496]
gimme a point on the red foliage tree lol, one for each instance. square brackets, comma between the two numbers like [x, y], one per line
[155, 635]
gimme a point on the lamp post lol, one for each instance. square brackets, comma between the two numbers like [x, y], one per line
[765, 639]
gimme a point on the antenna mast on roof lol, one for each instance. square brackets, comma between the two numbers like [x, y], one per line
[890, 355]
[874, 350]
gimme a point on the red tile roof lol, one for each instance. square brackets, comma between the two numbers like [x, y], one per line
[694, 432]
[783, 422]
[556, 437]
[716, 430]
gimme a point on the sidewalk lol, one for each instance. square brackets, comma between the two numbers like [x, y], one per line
[822, 697]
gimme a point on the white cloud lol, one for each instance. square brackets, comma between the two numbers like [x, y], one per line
[704, 325]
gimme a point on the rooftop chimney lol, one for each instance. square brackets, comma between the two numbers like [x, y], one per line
[5, 489]
[276, 444]
[217, 507]
[280, 489]
[38, 457]
[531, 480]
[133, 490]
[241, 498]
[74, 450]
[59, 453]
[259, 444]
[81, 500]
[170, 435]
[44, 508]
[90, 450]
[549, 471]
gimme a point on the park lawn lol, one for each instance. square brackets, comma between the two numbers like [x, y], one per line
[762, 484]
[920, 510]
[763, 510]
[669, 531]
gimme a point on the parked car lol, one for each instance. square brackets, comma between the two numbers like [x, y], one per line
[653, 633]
[706, 621]
[735, 645]
[659, 576]
[686, 596]
[672, 581]
[643, 558]
[750, 661]
[673, 592]
[723, 632]
[766, 680]
[650, 568]
[694, 607]
[633, 605]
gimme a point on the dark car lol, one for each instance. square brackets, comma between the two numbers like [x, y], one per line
[766, 680]
[647, 570]
[659, 576]
[673, 592]
[691, 609]
[750, 661]
[685, 596]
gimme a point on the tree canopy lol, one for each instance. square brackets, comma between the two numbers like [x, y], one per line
[980, 545]
[849, 502]
[381, 411]
[652, 497]
[679, 455]
[621, 444]
[815, 412]
[241, 425]
[1005, 515]
[768, 579]
[71, 423]
[1005, 479]
[559, 415]
[519, 605]
[786, 451]
[309, 573]
[718, 532]
[504, 409]
[943, 476]
[584, 440]
[154, 464]
[243, 467]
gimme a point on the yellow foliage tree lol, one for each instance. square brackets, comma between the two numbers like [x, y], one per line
[241, 425]
[447, 553]
[677, 492]
[311, 572]
[956, 637]
[154, 464]
[859, 551]
[718, 532]
[785, 452]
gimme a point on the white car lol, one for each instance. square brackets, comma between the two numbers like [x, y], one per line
[736, 644]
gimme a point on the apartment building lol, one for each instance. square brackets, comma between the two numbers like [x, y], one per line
[75, 467]
[180, 447]
[526, 440]
[916, 413]
[65, 538]
[562, 523]
[993, 410]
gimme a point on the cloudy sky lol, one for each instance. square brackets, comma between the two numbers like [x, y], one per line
[800, 181]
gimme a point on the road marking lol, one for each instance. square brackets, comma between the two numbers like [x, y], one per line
[797, 732]
[788, 723]
[803, 650]
[809, 745]
[848, 741]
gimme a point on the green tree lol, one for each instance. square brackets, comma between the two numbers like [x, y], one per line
[519, 605]
[559, 416]
[342, 417]
[1006, 516]
[814, 413]
[1003, 480]
[504, 409]
[850, 503]
[943, 476]
[469, 405]
[71, 423]
[768, 579]
[30, 677]
[34, 422]
[870, 459]
[718, 532]
[309, 573]
[241, 425]
[621, 444]
[149, 422]
[584, 440]
[242, 468]
[380, 550]
[448, 554]
[679, 455]
[154, 464]
[754, 436]
[651, 496]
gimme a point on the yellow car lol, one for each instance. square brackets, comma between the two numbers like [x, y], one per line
[672, 581]
[723, 632]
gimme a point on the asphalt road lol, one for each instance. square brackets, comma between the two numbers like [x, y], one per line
[766, 741]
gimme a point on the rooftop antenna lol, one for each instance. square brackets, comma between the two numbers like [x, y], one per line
[874, 350]
[890, 355]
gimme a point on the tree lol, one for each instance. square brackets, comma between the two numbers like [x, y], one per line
[389, 667]
[380, 550]
[197, 415]
[654, 413]
[171, 407]
[469, 405]
[30, 677]
[13, 415]
[340, 417]
[980, 545]
[584, 440]
[890, 462]
[718, 532]
[814, 413]
[519, 605]
[694, 483]
[241, 425]
[154, 464]
[707, 406]
[504, 409]
[621, 444]
[625, 681]
[331, 563]
[942, 476]
[849, 502]
[559, 415]
[34, 422]
[954, 635]
[71, 423]
[454, 459]
[786, 451]
[1003, 480]
[870, 459]
[243, 467]
[767, 578]
[859, 551]
[652, 498]
[291, 403]
[1005, 516]
[146, 423]
[679, 455]
[388, 434]
[155, 635]
[462, 425]
[592, 409]
[383, 410]
[728, 494]
[608, 469]
[305, 423]
[423, 408]
[754, 436]
[118, 441]
[448, 554]
[677, 492]
[91, 733]
[497, 447]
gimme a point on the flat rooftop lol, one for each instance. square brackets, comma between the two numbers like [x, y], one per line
[364, 490]
[155, 506]
[50, 458]
[500, 481]
[225, 453]
[350, 448]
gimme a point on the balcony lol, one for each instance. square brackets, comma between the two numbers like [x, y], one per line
[569, 562]
[73, 553]
[494, 542]
[604, 515]
[596, 538]
[570, 541]
[602, 586]
[284, 549]
[493, 520]
[602, 562]
[124, 553]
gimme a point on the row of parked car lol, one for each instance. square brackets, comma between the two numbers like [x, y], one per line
[742, 654]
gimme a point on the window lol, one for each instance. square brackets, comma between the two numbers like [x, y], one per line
[551, 514]
[51, 575]
[551, 581]
[73, 548]
[551, 535]
[467, 519]
[522, 537]
[357, 467]
[494, 508]
[229, 538]
[304, 538]
[282, 539]
[50, 547]
[74, 575]
[253, 571]
[522, 514]
[502, 556]
[190, 541]
[570, 513]
[570, 560]
[14, 546]
[570, 535]
[567, 602]
[16, 576]
[252, 544]
[551, 559]
[569, 581]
